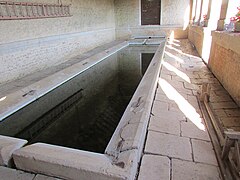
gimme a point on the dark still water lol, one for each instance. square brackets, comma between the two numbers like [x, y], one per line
[87, 119]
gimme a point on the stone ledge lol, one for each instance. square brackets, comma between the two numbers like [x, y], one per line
[7, 146]
[228, 40]
[67, 163]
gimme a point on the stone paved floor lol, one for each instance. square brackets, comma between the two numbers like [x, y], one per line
[12, 174]
[178, 146]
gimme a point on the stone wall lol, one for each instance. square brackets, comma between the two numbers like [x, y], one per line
[195, 35]
[27, 46]
[225, 61]
[174, 18]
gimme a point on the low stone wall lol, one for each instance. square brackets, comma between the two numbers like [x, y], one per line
[225, 61]
[195, 35]
[201, 38]
[168, 31]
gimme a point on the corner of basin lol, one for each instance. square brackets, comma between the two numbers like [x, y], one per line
[59, 161]
[8, 146]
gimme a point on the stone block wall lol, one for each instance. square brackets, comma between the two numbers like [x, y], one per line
[201, 38]
[174, 19]
[225, 61]
[195, 35]
[27, 46]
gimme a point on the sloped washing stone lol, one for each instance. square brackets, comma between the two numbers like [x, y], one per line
[7, 146]
[12, 174]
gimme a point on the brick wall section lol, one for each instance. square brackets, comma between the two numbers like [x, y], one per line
[225, 61]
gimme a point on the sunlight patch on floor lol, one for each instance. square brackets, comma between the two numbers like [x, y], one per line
[177, 72]
[175, 57]
[188, 110]
[3, 98]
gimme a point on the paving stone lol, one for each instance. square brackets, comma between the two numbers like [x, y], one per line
[185, 170]
[12, 174]
[233, 112]
[192, 98]
[220, 113]
[214, 98]
[203, 152]
[177, 115]
[222, 93]
[223, 105]
[200, 81]
[165, 71]
[176, 84]
[230, 121]
[192, 75]
[188, 129]
[159, 107]
[173, 107]
[184, 79]
[168, 145]
[170, 126]
[42, 177]
[235, 128]
[161, 97]
[183, 91]
[217, 87]
[206, 75]
[154, 168]
[160, 91]
[166, 76]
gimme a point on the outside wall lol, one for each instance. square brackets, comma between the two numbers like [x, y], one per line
[27, 46]
[201, 38]
[174, 17]
[225, 61]
[219, 49]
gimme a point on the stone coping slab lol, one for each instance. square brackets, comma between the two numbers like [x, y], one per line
[123, 153]
[7, 146]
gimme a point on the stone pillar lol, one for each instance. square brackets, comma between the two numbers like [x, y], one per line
[191, 12]
[194, 10]
[197, 12]
[200, 15]
[208, 12]
[223, 13]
